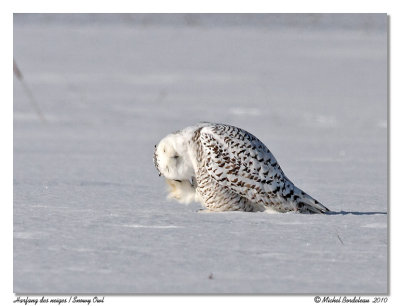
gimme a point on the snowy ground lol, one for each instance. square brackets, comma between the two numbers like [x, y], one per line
[90, 214]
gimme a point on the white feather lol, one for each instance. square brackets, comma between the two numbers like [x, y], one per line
[232, 170]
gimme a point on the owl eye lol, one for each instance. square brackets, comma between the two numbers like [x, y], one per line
[175, 156]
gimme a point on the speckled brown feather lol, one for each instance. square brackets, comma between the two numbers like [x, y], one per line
[236, 171]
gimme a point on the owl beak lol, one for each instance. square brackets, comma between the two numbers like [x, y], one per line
[155, 160]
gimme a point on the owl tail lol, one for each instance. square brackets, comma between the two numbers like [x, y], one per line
[307, 204]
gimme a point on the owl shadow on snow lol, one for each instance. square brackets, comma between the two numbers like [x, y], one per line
[357, 213]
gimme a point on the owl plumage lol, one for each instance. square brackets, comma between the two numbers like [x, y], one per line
[226, 168]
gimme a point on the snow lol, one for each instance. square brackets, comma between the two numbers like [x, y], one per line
[90, 212]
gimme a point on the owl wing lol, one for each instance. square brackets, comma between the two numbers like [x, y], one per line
[238, 160]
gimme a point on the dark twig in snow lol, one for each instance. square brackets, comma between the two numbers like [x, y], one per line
[28, 92]
[340, 239]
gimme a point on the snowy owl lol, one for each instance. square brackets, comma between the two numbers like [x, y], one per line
[226, 168]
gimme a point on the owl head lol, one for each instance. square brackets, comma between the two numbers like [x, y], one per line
[171, 158]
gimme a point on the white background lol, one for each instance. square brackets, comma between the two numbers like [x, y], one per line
[47, 6]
